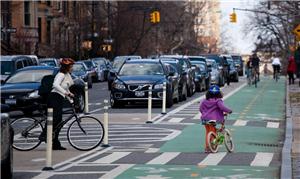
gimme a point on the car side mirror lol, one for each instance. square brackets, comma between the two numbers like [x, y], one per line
[2, 82]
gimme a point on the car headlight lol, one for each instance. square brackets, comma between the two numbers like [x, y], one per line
[34, 94]
[159, 86]
[119, 86]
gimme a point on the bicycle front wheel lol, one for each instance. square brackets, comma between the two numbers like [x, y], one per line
[212, 142]
[26, 133]
[228, 141]
[86, 133]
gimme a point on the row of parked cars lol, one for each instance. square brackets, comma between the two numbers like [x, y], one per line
[21, 77]
[130, 76]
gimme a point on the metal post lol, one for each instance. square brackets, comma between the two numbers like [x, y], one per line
[164, 98]
[86, 98]
[49, 140]
[149, 104]
[105, 121]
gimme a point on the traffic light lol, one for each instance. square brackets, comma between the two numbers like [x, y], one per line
[155, 17]
[233, 17]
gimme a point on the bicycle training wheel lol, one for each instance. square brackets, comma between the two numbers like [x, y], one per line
[86, 133]
[26, 133]
[228, 141]
[212, 142]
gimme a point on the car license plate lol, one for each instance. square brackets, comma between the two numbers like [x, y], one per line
[10, 101]
[139, 93]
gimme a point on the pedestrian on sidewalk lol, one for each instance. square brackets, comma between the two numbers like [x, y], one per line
[291, 70]
[213, 108]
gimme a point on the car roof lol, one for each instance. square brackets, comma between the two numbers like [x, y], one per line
[144, 60]
[174, 56]
[198, 62]
[38, 68]
[196, 57]
[12, 57]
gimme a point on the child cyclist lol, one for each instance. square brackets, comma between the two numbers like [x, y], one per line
[213, 108]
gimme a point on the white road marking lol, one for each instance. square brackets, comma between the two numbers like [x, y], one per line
[38, 159]
[272, 124]
[240, 123]
[197, 116]
[176, 119]
[262, 159]
[164, 158]
[96, 104]
[112, 157]
[213, 159]
[152, 150]
[117, 171]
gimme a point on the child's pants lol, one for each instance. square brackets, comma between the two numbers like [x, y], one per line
[209, 128]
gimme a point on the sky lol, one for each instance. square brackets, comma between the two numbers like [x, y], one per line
[242, 42]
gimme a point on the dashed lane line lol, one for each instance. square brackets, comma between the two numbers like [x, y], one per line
[164, 158]
[262, 159]
[213, 159]
[112, 157]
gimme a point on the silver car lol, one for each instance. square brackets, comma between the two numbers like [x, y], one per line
[103, 67]
[215, 73]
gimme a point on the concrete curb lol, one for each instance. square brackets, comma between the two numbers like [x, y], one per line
[286, 166]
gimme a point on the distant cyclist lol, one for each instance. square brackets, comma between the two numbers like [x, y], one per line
[276, 65]
[255, 64]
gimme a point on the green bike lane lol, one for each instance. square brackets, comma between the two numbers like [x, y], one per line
[257, 129]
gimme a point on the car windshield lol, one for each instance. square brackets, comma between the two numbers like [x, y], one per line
[99, 62]
[78, 68]
[200, 65]
[129, 69]
[118, 63]
[6, 67]
[215, 57]
[29, 76]
[197, 59]
[212, 63]
[48, 63]
[89, 64]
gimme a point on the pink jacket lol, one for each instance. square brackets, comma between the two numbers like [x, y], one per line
[213, 109]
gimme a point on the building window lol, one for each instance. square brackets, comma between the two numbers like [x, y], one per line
[27, 13]
[65, 7]
[48, 3]
[40, 28]
[48, 31]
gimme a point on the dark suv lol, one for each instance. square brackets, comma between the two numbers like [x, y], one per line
[187, 71]
[132, 82]
[222, 66]
[239, 63]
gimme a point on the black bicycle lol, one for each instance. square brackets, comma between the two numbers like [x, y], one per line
[83, 132]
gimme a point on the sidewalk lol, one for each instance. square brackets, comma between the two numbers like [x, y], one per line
[294, 97]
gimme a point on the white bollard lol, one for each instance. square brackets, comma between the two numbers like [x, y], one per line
[86, 98]
[105, 121]
[149, 105]
[49, 140]
[164, 100]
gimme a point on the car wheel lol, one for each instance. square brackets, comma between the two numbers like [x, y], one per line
[114, 103]
[79, 101]
[169, 100]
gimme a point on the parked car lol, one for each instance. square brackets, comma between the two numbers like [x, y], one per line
[34, 59]
[81, 71]
[215, 75]
[6, 144]
[182, 84]
[116, 64]
[239, 63]
[203, 71]
[20, 90]
[197, 58]
[103, 67]
[134, 78]
[187, 70]
[233, 72]
[222, 66]
[92, 69]
[53, 62]
[10, 64]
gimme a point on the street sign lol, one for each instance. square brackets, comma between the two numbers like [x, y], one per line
[297, 30]
[10, 30]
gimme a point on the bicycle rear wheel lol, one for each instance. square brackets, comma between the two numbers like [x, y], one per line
[212, 142]
[86, 133]
[26, 133]
[228, 141]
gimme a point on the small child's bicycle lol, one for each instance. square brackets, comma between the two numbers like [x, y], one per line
[223, 136]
